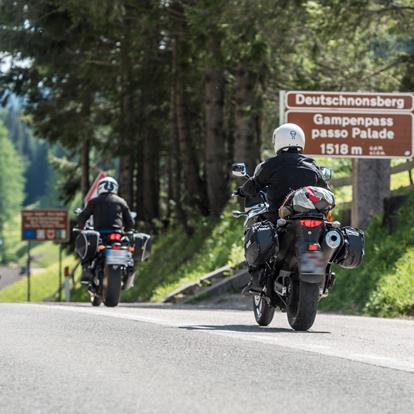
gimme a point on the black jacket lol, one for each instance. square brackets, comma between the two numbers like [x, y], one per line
[109, 212]
[281, 174]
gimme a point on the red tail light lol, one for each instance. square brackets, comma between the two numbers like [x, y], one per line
[116, 247]
[115, 236]
[311, 223]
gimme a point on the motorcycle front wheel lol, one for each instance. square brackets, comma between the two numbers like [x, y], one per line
[111, 288]
[302, 305]
[263, 312]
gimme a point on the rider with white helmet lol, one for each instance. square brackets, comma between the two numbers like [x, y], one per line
[288, 170]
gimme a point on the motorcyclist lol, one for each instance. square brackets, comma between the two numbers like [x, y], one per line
[288, 170]
[110, 213]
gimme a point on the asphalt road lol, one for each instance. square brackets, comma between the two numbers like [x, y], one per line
[149, 359]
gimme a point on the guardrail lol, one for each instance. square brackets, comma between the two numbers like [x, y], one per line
[343, 181]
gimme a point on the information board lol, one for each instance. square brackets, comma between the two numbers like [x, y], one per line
[45, 225]
[348, 124]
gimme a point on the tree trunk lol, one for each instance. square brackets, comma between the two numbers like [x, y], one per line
[215, 150]
[246, 146]
[371, 185]
[194, 184]
[127, 115]
[85, 168]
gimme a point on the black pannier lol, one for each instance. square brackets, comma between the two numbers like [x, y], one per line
[352, 251]
[142, 246]
[86, 244]
[260, 243]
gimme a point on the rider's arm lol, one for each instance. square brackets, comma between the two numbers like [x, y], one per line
[85, 214]
[127, 218]
[256, 183]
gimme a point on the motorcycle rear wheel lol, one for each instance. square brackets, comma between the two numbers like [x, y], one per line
[263, 312]
[111, 289]
[302, 305]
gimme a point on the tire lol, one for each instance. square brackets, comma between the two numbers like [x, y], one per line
[263, 312]
[111, 291]
[96, 300]
[302, 305]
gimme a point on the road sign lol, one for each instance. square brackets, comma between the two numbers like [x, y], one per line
[92, 193]
[357, 125]
[45, 225]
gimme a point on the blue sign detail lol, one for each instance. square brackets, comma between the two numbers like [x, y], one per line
[29, 234]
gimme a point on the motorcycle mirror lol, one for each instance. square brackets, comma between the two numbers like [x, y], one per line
[327, 173]
[77, 211]
[237, 213]
[239, 169]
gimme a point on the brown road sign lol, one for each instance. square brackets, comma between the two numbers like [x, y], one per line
[45, 225]
[352, 124]
[350, 101]
[355, 134]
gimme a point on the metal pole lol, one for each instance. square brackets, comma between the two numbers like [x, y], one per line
[28, 270]
[60, 273]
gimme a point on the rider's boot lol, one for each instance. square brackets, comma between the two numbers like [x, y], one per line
[253, 287]
[86, 277]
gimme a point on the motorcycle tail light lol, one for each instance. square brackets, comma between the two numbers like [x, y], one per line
[116, 247]
[313, 247]
[115, 236]
[311, 223]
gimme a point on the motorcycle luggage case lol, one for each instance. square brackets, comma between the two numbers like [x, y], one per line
[86, 244]
[142, 246]
[260, 243]
[351, 254]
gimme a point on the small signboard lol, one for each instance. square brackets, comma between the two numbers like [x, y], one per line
[349, 124]
[45, 225]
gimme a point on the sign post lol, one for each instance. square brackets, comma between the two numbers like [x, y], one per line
[368, 127]
[45, 225]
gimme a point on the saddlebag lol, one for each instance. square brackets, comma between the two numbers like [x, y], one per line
[260, 243]
[142, 246]
[86, 244]
[352, 251]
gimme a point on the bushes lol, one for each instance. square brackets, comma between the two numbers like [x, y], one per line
[382, 285]
[178, 258]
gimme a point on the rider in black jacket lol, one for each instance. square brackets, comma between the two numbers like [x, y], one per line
[109, 211]
[289, 170]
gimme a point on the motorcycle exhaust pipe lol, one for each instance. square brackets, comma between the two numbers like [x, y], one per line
[332, 241]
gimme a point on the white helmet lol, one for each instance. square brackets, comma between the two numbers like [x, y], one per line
[108, 185]
[288, 135]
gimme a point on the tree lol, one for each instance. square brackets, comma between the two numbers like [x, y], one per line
[11, 184]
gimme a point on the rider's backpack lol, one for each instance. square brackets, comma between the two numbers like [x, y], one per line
[260, 243]
[352, 251]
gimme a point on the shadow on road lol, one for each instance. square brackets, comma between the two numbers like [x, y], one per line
[247, 328]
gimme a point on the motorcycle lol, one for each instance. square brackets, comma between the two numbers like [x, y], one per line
[111, 258]
[295, 252]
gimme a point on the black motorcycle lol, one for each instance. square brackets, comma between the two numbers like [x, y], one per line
[110, 259]
[294, 251]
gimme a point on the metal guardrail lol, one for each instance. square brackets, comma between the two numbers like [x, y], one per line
[343, 181]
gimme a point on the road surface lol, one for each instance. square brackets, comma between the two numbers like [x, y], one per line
[157, 359]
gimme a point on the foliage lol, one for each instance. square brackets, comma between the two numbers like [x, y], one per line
[11, 184]
[388, 256]
[186, 258]
[43, 285]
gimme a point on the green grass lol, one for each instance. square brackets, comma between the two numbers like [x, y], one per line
[384, 283]
[43, 285]
[178, 258]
